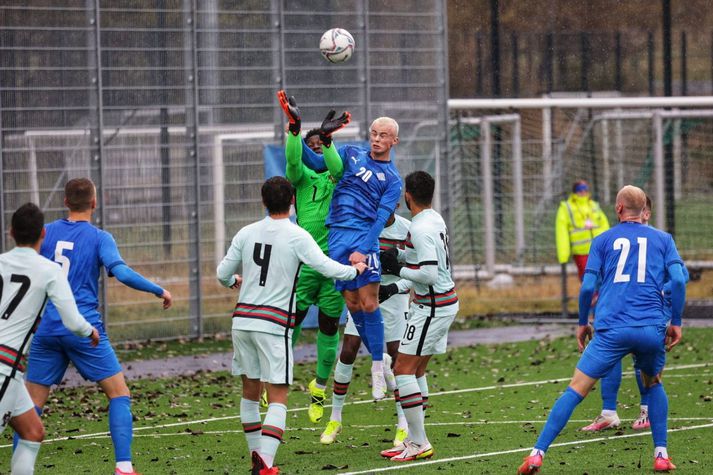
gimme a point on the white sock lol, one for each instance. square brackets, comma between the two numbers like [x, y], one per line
[608, 413]
[423, 385]
[272, 430]
[661, 452]
[125, 466]
[342, 378]
[536, 452]
[412, 405]
[252, 424]
[644, 408]
[23, 459]
[377, 366]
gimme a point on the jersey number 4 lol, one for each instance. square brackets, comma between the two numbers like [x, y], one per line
[624, 245]
[262, 260]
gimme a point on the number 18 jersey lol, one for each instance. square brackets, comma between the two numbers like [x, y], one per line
[632, 261]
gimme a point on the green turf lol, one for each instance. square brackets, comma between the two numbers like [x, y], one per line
[465, 423]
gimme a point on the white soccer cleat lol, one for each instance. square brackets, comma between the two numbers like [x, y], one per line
[413, 451]
[642, 422]
[378, 385]
[389, 374]
[329, 436]
[602, 423]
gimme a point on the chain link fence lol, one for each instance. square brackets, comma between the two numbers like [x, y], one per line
[168, 106]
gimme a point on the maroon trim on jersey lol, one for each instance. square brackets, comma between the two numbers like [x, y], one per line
[440, 300]
[9, 356]
[264, 312]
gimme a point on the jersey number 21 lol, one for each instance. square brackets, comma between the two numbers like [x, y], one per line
[624, 245]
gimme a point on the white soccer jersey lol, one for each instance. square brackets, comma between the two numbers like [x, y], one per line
[393, 236]
[270, 252]
[427, 264]
[27, 280]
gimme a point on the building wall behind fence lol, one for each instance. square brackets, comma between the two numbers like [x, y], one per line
[156, 100]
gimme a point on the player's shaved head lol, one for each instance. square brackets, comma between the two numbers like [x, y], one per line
[420, 186]
[26, 224]
[79, 194]
[386, 122]
[632, 199]
[277, 195]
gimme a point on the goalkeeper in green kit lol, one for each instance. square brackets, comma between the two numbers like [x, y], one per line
[313, 195]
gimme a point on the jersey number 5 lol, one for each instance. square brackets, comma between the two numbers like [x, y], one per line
[60, 258]
[262, 260]
[624, 245]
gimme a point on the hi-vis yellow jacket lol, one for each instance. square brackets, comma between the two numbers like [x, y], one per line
[579, 220]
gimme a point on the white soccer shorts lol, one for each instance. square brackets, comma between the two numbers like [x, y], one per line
[15, 401]
[425, 335]
[262, 356]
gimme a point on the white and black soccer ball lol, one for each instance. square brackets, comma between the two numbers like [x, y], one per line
[336, 45]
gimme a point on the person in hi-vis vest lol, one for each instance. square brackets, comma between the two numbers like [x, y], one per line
[579, 221]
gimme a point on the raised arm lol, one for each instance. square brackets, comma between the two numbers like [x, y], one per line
[331, 124]
[293, 143]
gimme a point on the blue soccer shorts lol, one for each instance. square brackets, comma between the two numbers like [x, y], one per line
[50, 355]
[610, 345]
[342, 242]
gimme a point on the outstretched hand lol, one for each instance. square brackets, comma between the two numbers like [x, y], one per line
[330, 124]
[94, 337]
[673, 336]
[167, 299]
[289, 107]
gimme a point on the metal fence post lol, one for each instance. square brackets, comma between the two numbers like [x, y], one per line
[96, 124]
[192, 118]
[488, 211]
[660, 198]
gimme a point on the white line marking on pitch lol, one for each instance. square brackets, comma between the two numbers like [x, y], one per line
[363, 401]
[514, 451]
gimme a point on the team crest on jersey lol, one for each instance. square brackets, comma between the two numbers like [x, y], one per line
[380, 176]
[6, 418]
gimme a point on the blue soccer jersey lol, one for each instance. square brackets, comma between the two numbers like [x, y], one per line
[366, 186]
[631, 259]
[81, 249]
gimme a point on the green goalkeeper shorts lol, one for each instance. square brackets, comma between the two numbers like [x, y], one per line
[315, 289]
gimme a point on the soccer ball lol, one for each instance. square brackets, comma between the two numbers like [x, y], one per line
[336, 45]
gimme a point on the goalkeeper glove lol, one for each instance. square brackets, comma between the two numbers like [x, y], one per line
[289, 107]
[330, 124]
[389, 262]
[387, 291]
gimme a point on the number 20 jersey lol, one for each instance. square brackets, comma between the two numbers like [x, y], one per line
[632, 261]
[365, 186]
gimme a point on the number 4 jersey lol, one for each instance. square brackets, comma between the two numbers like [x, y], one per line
[270, 252]
[26, 281]
[632, 260]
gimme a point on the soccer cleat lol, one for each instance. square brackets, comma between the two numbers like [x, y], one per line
[602, 423]
[378, 385]
[413, 451]
[394, 451]
[530, 465]
[400, 436]
[389, 374]
[270, 471]
[119, 472]
[641, 422]
[663, 465]
[263, 399]
[329, 436]
[258, 464]
[316, 406]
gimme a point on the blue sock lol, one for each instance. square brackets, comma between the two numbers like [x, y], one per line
[358, 318]
[643, 390]
[610, 387]
[374, 330]
[16, 438]
[121, 427]
[559, 415]
[658, 414]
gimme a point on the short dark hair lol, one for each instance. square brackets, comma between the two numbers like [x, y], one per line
[277, 194]
[27, 223]
[79, 193]
[311, 133]
[420, 186]
[648, 203]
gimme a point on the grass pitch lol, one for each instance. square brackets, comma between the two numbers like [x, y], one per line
[488, 404]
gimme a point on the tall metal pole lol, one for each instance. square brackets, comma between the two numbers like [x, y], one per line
[668, 91]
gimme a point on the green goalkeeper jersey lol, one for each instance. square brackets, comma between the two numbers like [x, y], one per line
[313, 192]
